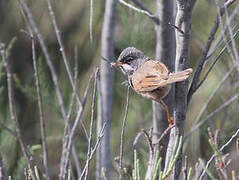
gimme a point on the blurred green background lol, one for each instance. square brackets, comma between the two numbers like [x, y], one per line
[132, 29]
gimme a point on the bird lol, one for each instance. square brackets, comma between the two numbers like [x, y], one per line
[147, 77]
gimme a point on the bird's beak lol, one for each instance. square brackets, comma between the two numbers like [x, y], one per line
[116, 64]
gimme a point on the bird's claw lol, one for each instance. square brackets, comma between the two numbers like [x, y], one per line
[171, 121]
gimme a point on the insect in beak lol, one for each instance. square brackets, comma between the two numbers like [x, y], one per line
[116, 64]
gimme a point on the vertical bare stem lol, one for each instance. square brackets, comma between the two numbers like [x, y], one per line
[42, 123]
[165, 52]
[123, 130]
[106, 88]
[91, 20]
[91, 126]
[183, 21]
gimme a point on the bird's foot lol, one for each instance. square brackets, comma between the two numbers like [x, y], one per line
[171, 121]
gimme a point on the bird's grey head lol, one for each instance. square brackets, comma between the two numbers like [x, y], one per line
[130, 60]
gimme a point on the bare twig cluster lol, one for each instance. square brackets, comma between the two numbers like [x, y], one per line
[221, 160]
[68, 143]
[5, 52]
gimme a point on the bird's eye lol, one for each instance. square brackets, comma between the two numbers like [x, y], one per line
[128, 59]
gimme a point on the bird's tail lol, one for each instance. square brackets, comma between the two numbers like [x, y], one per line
[179, 76]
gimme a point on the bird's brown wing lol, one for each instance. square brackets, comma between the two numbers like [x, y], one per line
[149, 76]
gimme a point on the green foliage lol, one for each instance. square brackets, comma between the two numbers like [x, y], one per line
[136, 169]
[36, 172]
[170, 161]
[69, 174]
[104, 173]
[207, 170]
[31, 174]
[169, 165]
[157, 165]
[35, 147]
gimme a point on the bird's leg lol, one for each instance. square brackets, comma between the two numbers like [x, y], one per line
[165, 107]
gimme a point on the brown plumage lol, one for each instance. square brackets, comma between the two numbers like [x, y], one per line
[149, 78]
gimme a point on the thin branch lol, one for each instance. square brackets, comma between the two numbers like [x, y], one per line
[230, 140]
[221, 149]
[229, 50]
[74, 152]
[214, 62]
[76, 73]
[99, 138]
[136, 139]
[143, 7]
[12, 108]
[149, 140]
[72, 102]
[234, 46]
[42, 123]
[62, 50]
[224, 105]
[32, 24]
[68, 145]
[153, 17]
[39, 98]
[64, 57]
[24, 7]
[73, 94]
[91, 20]
[194, 86]
[71, 106]
[209, 99]
[76, 160]
[8, 129]
[146, 12]
[123, 130]
[166, 131]
[91, 125]
[218, 42]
